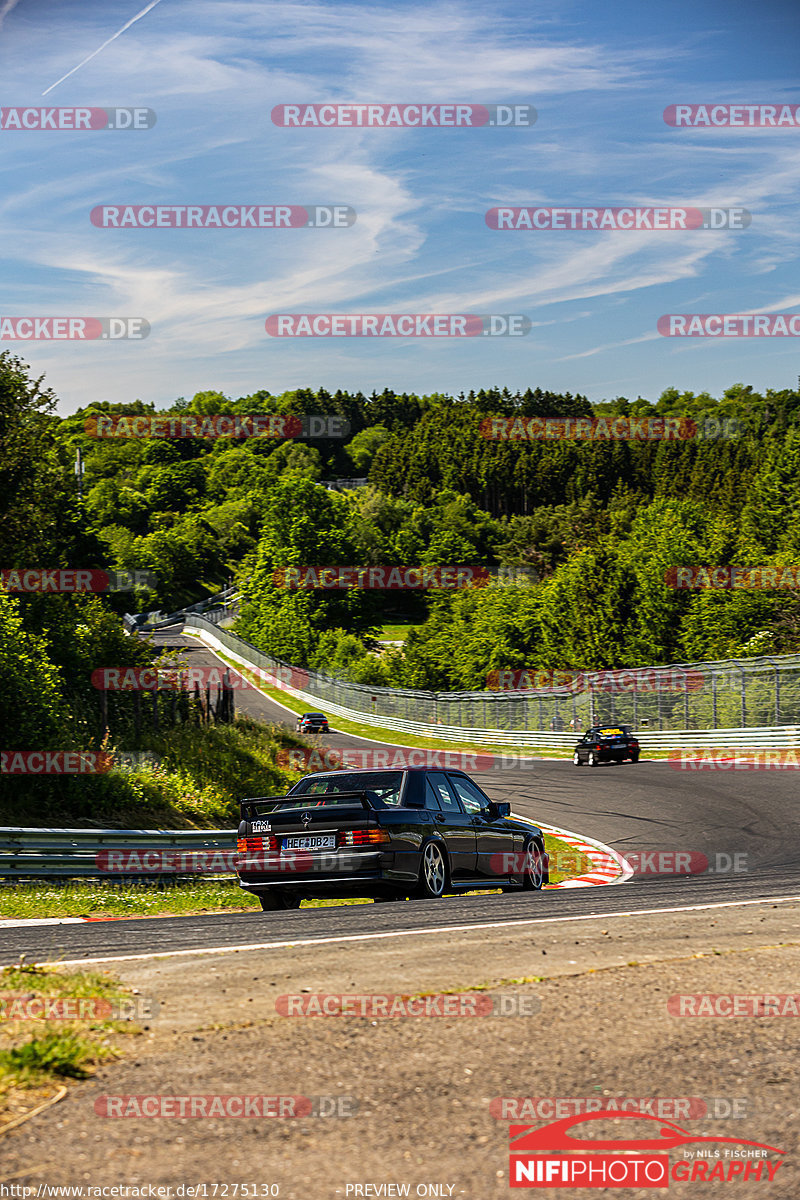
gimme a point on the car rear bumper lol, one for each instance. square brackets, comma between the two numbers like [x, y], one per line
[341, 873]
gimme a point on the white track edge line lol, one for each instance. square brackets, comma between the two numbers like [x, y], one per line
[447, 929]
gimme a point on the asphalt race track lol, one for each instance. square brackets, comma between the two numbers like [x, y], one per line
[646, 807]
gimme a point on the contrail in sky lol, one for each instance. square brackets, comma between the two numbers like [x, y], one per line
[94, 53]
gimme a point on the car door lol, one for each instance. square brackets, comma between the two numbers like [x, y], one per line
[453, 824]
[587, 740]
[495, 839]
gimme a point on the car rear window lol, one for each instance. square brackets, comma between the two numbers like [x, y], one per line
[607, 734]
[386, 785]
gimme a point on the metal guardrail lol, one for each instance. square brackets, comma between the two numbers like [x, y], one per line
[213, 607]
[320, 689]
[27, 853]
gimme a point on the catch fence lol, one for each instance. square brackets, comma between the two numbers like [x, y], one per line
[728, 695]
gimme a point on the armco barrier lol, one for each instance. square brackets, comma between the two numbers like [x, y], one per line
[321, 690]
[72, 853]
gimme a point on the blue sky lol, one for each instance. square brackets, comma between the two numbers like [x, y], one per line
[599, 77]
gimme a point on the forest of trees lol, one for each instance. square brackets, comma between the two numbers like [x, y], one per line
[600, 522]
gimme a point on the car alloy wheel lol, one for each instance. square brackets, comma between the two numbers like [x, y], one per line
[433, 873]
[593, 761]
[634, 758]
[576, 759]
[533, 878]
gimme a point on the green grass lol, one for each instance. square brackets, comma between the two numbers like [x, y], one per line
[396, 633]
[58, 1053]
[104, 899]
[45, 981]
[34, 1054]
[204, 772]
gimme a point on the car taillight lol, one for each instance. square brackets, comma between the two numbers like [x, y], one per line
[362, 837]
[256, 845]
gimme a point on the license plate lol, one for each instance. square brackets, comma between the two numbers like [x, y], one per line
[314, 841]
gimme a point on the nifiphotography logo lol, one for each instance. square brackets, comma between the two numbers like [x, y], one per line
[585, 1161]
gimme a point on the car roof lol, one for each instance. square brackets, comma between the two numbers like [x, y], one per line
[379, 771]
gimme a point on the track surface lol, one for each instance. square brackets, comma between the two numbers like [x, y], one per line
[645, 807]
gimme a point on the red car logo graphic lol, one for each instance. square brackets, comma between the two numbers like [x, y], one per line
[526, 1139]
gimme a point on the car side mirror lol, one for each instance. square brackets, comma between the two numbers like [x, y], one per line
[501, 808]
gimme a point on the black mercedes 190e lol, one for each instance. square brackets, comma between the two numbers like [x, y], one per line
[385, 835]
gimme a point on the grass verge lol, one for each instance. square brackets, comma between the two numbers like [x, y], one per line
[202, 773]
[37, 1056]
[178, 898]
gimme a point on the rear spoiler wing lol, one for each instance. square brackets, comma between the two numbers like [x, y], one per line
[256, 806]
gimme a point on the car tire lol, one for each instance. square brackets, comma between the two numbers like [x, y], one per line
[535, 869]
[432, 872]
[593, 759]
[576, 759]
[634, 758]
[276, 901]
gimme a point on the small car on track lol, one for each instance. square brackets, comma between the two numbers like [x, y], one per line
[606, 743]
[384, 835]
[312, 723]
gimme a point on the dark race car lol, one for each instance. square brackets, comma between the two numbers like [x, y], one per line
[384, 835]
[611, 743]
[312, 723]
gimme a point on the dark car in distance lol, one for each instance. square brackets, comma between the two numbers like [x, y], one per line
[384, 835]
[606, 743]
[312, 723]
